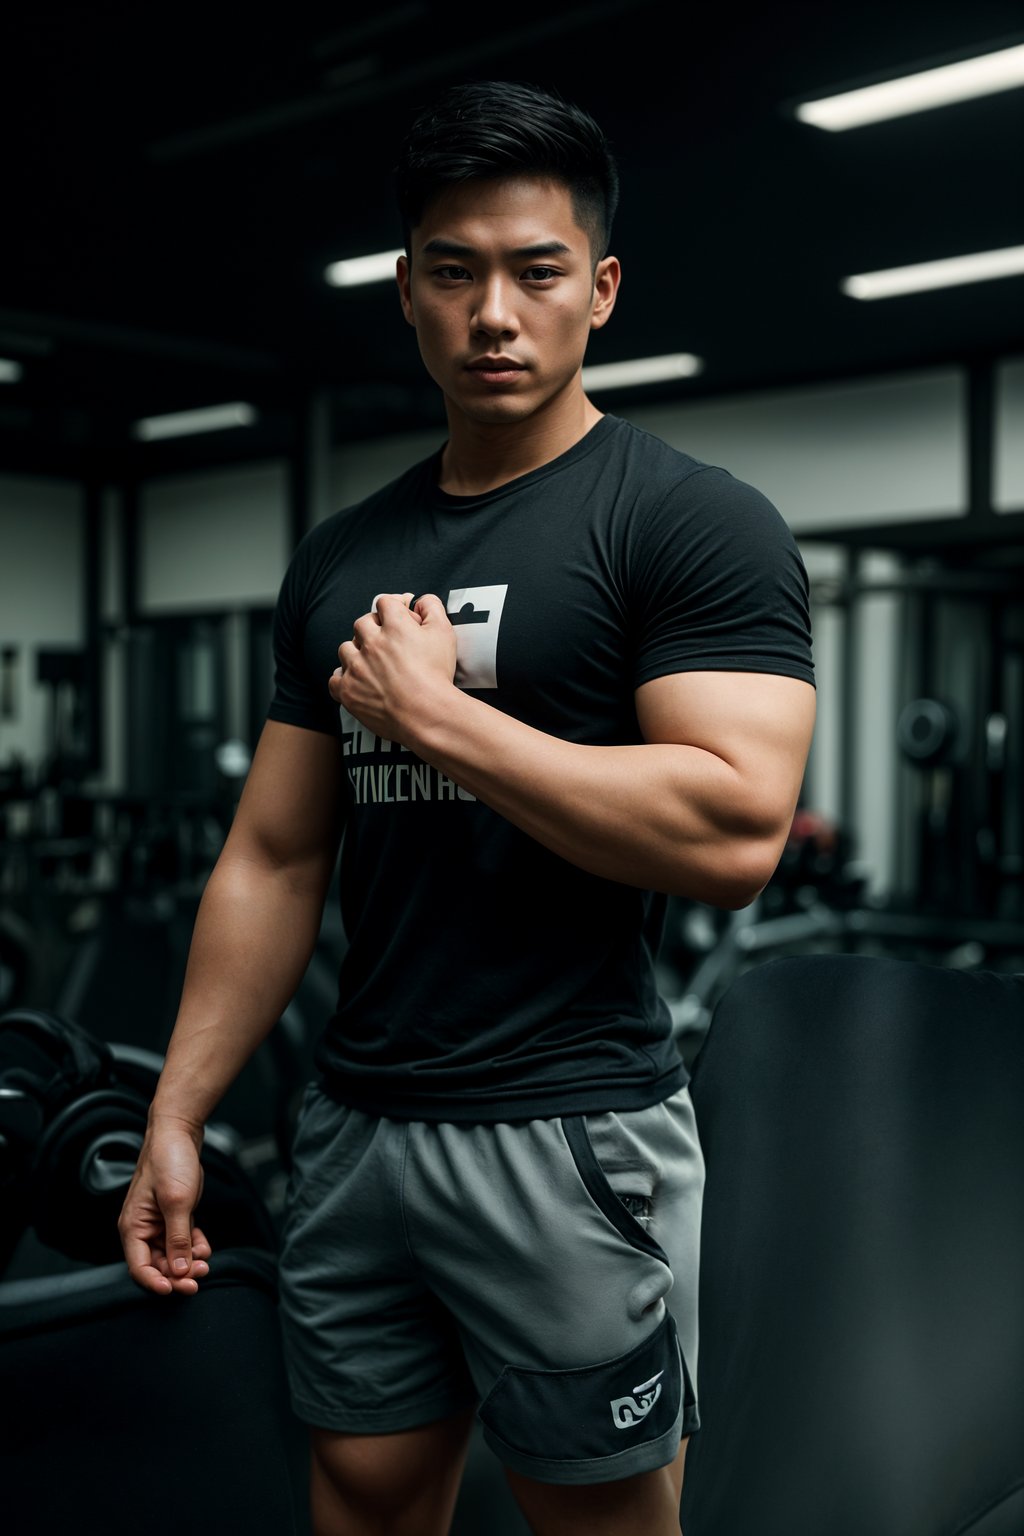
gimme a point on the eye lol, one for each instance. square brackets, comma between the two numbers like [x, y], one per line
[452, 274]
[541, 274]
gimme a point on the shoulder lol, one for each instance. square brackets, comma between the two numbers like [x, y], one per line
[679, 493]
[680, 482]
[641, 451]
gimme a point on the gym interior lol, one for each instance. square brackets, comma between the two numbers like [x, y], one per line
[191, 378]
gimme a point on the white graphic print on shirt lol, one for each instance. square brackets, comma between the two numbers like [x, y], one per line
[388, 772]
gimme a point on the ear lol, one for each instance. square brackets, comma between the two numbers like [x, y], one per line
[607, 277]
[404, 288]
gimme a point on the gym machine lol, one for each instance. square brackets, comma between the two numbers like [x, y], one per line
[958, 895]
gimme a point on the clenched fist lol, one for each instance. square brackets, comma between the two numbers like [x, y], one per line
[399, 660]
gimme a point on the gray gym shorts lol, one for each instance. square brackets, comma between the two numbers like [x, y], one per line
[427, 1267]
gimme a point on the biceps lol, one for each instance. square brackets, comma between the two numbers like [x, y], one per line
[291, 811]
[761, 724]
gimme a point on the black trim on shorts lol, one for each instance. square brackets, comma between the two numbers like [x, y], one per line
[593, 1423]
[577, 1134]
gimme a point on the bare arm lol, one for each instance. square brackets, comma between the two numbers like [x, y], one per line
[255, 930]
[258, 920]
[701, 808]
[706, 821]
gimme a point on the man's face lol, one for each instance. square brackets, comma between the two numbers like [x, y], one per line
[500, 288]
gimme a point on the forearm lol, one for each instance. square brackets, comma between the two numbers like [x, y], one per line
[254, 934]
[662, 817]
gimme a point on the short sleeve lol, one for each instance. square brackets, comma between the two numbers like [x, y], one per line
[717, 583]
[298, 698]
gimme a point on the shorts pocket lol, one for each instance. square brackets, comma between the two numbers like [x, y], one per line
[318, 1124]
[594, 1412]
[595, 1180]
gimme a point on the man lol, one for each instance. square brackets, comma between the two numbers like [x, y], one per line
[547, 676]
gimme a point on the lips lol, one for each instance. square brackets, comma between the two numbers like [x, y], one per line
[495, 371]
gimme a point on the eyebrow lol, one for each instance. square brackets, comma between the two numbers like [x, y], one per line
[442, 247]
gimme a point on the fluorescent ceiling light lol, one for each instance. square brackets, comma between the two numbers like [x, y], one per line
[949, 273]
[363, 269]
[981, 76]
[10, 371]
[211, 418]
[643, 370]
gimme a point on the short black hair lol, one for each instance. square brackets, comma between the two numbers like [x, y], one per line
[492, 128]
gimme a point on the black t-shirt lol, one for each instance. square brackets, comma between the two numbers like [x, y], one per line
[486, 978]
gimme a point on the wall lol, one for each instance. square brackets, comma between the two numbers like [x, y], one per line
[1008, 469]
[837, 455]
[876, 450]
[217, 540]
[359, 468]
[41, 596]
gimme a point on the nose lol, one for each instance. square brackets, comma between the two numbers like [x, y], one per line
[494, 312]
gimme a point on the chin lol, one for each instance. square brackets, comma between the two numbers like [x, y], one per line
[498, 409]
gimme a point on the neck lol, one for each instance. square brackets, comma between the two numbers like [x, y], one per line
[480, 456]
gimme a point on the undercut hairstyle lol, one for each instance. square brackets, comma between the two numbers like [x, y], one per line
[495, 128]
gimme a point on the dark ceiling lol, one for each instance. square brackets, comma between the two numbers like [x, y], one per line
[176, 179]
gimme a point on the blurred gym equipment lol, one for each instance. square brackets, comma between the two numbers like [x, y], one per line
[960, 735]
[72, 1120]
[15, 938]
[129, 1385]
[98, 894]
[133, 1387]
[62, 673]
[862, 1253]
[122, 1395]
[813, 898]
[958, 895]
[99, 888]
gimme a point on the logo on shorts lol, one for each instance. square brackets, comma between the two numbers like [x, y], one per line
[627, 1411]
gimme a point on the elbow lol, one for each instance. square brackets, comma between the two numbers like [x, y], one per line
[738, 874]
[756, 863]
[734, 896]
[735, 899]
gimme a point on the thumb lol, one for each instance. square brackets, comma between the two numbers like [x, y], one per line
[431, 609]
[178, 1227]
[179, 1253]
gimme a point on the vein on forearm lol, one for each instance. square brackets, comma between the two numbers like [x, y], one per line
[661, 816]
[254, 933]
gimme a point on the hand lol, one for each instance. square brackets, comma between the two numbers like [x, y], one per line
[155, 1223]
[399, 657]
